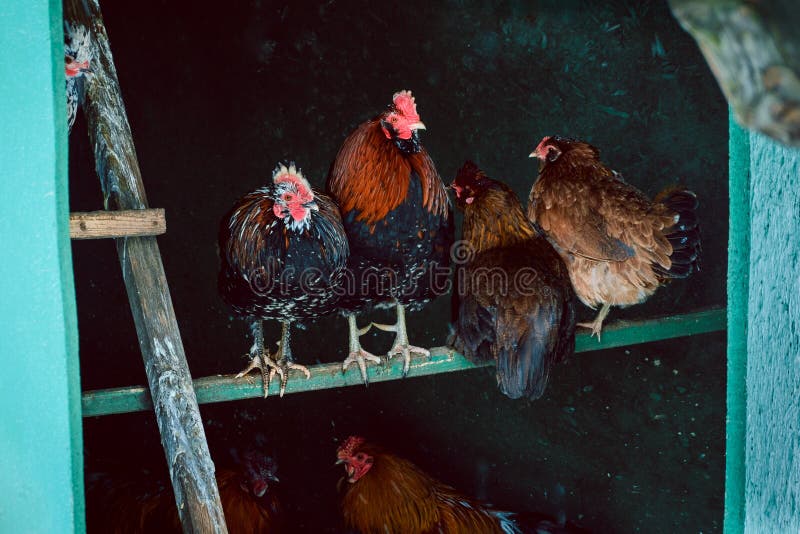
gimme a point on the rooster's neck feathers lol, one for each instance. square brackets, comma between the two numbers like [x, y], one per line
[397, 496]
[371, 176]
[395, 493]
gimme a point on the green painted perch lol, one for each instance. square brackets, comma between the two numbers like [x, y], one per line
[221, 388]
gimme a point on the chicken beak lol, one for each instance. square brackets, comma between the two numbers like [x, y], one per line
[339, 462]
[416, 126]
[533, 155]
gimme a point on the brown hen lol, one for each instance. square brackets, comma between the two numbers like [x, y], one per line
[618, 245]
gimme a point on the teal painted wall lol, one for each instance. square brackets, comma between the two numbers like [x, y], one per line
[772, 489]
[41, 464]
[738, 293]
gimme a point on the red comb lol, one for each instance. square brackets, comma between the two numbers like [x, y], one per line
[348, 447]
[404, 103]
[293, 175]
[546, 139]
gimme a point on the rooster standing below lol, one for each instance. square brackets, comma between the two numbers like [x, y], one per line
[388, 494]
[523, 319]
[283, 252]
[398, 222]
[619, 246]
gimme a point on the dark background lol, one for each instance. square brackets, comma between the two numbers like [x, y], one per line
[628, 440]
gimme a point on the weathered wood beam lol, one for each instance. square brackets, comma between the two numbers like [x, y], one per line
[753, 49]
[175, 403]
[220, 388]
[108, 224]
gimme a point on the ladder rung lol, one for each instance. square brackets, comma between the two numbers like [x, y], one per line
[122, 223]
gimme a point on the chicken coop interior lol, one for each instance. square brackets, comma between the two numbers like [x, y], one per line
[630, 434]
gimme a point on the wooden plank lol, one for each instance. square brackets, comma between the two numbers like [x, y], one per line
[125, 223]
[754, 51]
[220, 388]
[175, 404]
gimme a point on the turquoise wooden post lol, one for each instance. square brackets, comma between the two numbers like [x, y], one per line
[738, 277]
[772, 488]
[41, 461]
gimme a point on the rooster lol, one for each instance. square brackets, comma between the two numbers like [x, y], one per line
[619, 246]
[77, 53]
[140, 504]
[283, 255]
[388, 494]
[398, 220]
[513, 300]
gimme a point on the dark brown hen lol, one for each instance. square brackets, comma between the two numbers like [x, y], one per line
[618, 245]
[513, 299]
[140, 503]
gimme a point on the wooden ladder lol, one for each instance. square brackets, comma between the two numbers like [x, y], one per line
[134, 226]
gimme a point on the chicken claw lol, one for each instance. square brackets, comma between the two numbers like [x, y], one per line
[357, 354]
[282, 366]
[596, 326]
[263, 362]
[278, 363]
[401, 346]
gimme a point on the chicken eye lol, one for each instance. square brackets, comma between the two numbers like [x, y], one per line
[360, 456]
[288, 197]
[394, 120]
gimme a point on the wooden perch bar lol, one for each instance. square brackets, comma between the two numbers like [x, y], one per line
[125, 223]
[220, 388]
[173, 398]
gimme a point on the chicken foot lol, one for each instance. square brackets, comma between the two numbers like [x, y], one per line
[357, 354]
[596, 326]
[279, 363]
[401, 346]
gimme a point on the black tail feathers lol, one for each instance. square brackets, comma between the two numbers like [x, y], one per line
[684, 235]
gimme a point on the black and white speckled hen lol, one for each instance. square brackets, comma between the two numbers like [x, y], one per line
[77, 53]
[398, 220]
[283, 255]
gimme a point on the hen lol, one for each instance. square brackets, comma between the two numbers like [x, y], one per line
[388, 494]
[398, 221]
[513, 300]
[283, 256]
[618, 245]
[139, 504]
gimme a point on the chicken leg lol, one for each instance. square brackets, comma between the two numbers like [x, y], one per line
[596, 326]
[401, 346]
[269, 367]
[357, 354]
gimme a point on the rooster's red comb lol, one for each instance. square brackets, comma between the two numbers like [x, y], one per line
[349, 446]
[405, 104]
[292, 175]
